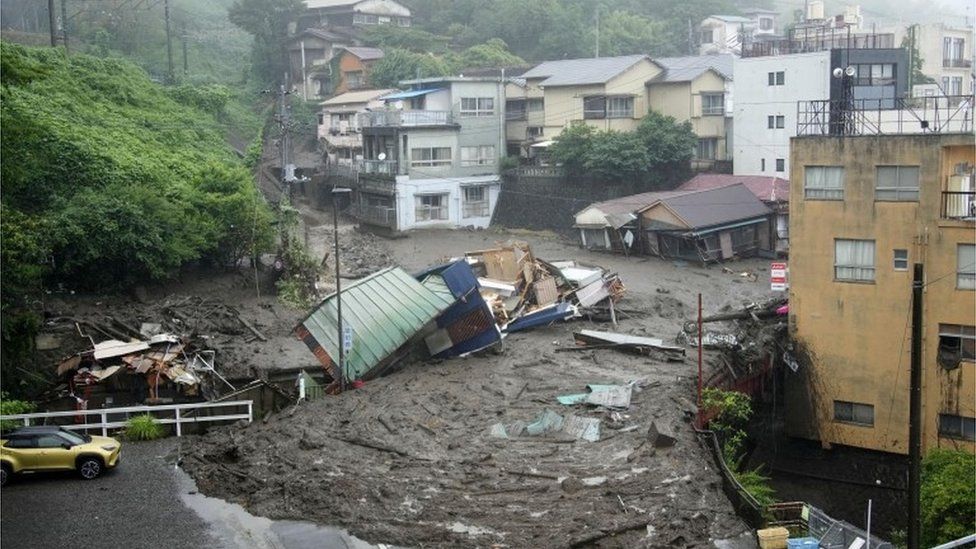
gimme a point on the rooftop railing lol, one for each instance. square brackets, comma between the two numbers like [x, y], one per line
[811, 39]
[405, 118]
[916, 115]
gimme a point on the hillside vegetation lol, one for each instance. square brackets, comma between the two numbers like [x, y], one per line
[109, 179]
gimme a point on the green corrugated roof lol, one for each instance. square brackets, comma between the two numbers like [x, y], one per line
[384, 310]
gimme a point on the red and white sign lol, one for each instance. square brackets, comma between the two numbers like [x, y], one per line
[778, 273]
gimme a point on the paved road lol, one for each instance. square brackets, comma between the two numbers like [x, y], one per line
[144, 502]
[136, 505]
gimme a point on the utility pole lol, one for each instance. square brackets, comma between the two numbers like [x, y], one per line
[691, 39]
[284, 121]
[186, 65]
[915, 414]
[911, 58]
[53, 23]
[597, 30]
[169, 42]
[64, 24]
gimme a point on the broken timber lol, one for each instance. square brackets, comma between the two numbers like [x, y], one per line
[588, 338]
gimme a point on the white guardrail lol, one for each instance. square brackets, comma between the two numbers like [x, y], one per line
[178, 418]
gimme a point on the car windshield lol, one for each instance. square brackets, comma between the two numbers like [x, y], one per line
[74, 438]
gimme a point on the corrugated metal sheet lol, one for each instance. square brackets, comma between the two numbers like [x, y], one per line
[384, 310]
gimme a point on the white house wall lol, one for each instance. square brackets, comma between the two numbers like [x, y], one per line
[807, 77]
[408, 189]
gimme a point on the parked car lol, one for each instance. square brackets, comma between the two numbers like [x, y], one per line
[52, 448]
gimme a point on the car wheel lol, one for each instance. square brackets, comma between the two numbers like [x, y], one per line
[89, 468]
[4, 474]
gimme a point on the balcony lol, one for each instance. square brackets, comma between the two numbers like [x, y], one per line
[959, 205]
[519, 114]
[899, 116]
[811, 39]
[382, 216]
[379, 167]
[957, 63]
[398, 119]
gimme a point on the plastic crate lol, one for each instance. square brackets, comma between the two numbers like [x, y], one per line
[802, 543]
[773, 538]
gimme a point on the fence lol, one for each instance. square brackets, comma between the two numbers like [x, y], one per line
[958, 204]
[405, 118]
[179, 418]
[745, 505]
[811, 39]
[917, 115]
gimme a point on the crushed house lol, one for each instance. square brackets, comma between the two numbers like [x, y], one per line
[338, 126]
[704, 225]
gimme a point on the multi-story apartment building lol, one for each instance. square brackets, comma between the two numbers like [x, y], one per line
[867, 201]
[698, 89]
[772, 77]
[338, 123]
[727, 33]
[431, 155]
[946, 52]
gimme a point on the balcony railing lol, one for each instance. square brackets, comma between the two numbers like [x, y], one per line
[959, 205]
[936, 114]
[380, 167]
[516, 115]
[383, 216]
[405, 118]
[811, 39]
[957, 63]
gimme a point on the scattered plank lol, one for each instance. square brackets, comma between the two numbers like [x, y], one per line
[250, 327]
[608, 532]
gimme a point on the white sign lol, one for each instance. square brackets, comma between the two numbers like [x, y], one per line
[347, 336]
[778, 277]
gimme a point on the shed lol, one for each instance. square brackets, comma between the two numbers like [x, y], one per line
[604, 225]
[385, 311]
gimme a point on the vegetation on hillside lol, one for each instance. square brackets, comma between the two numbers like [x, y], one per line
[111, 180]
[948, 496]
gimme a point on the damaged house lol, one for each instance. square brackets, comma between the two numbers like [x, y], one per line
[702, 225]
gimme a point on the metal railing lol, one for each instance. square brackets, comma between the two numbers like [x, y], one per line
[957, 63]
[381, 167]
[935, 114]
[178, 410]
[376, 215]
[811, 39]
[958, 204]
[516, 115]
[405, 118]
[431, 213]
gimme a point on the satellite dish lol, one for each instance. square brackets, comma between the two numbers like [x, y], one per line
[838, 72]
[382, 156]
[849, 71]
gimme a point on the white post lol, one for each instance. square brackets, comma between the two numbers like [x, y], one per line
[250, 414]
[104, 424]
[179, 431]
[868, 544]
[26, 422]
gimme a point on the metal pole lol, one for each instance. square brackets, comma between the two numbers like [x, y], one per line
[915, 414]
[53, 23]
[868, 541]
[699, 360]
[64, 24]
[169, 42]
[342, 350]
[186, 64]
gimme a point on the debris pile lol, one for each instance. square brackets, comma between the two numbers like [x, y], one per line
[455, 309]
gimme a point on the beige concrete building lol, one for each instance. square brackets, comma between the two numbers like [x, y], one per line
[863, 210]
[947, 55]
[698, 89]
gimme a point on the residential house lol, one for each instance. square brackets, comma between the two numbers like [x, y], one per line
[770, 81]
[698, 89]
[354, 63]
[353, 13]
[606, 93]
[310, 54]
[338, 123]
[774, 192]
[946, 52]
[432, 155]
[701, 225]
[866, 205]
[726, 33]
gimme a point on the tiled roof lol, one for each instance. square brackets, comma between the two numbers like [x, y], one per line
[359, 96]
[766, 188]
[574, 72]
[710, 207]
[683, 69]
[364, 53]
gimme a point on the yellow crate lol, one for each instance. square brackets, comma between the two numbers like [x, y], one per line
[773, 538]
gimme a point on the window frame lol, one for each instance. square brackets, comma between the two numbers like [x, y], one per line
[479, 158]
[780, 165]
[474, 208]
[712, 145]
[535, 104]
[614, 111]
[895, 259]
[713, 110]
[851, 418]
[432, 161]
[828, 193]
[589, 113]
[966, 344]
[483, 106]
[962, 433]
[968, 275]
[856, 267]
[441, 208]
[898, 189]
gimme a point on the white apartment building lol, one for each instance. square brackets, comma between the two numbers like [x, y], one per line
[947, 55]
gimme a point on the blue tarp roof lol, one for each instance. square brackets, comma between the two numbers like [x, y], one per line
[410, 93]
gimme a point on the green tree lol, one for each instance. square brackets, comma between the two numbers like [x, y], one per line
[572, 146]
[670, 144]
[267, 21]
[493, 53]
[399, 65]
[948, 496]
[917, 76]
[388, 37]
[623, 33]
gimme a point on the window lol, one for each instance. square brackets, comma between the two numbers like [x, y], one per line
[475, 201]
[854, 412]
[765, 23]
[707, 148]
[706, 36]
[482, 155]
[966, 267]
[952, 51]
[780, 164]
[953, 426]
[956, 343]
[762, 164]
[713, 104]
[364, 19]
[431, 207]
[776, 78]
[774, 122]
[536, 105]
[595, 107]
[854, 260]
[403, 21]
[952, 85]
[823, 183]
[20, 442]
[50, 441]
[874, 74]
[354, 79]
[433, 156]
[620, 107]
[900, 259]
[477, 106]
[534, 131]
[515, 109]
[896, 183]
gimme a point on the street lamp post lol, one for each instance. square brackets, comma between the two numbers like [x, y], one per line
[336, 191]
